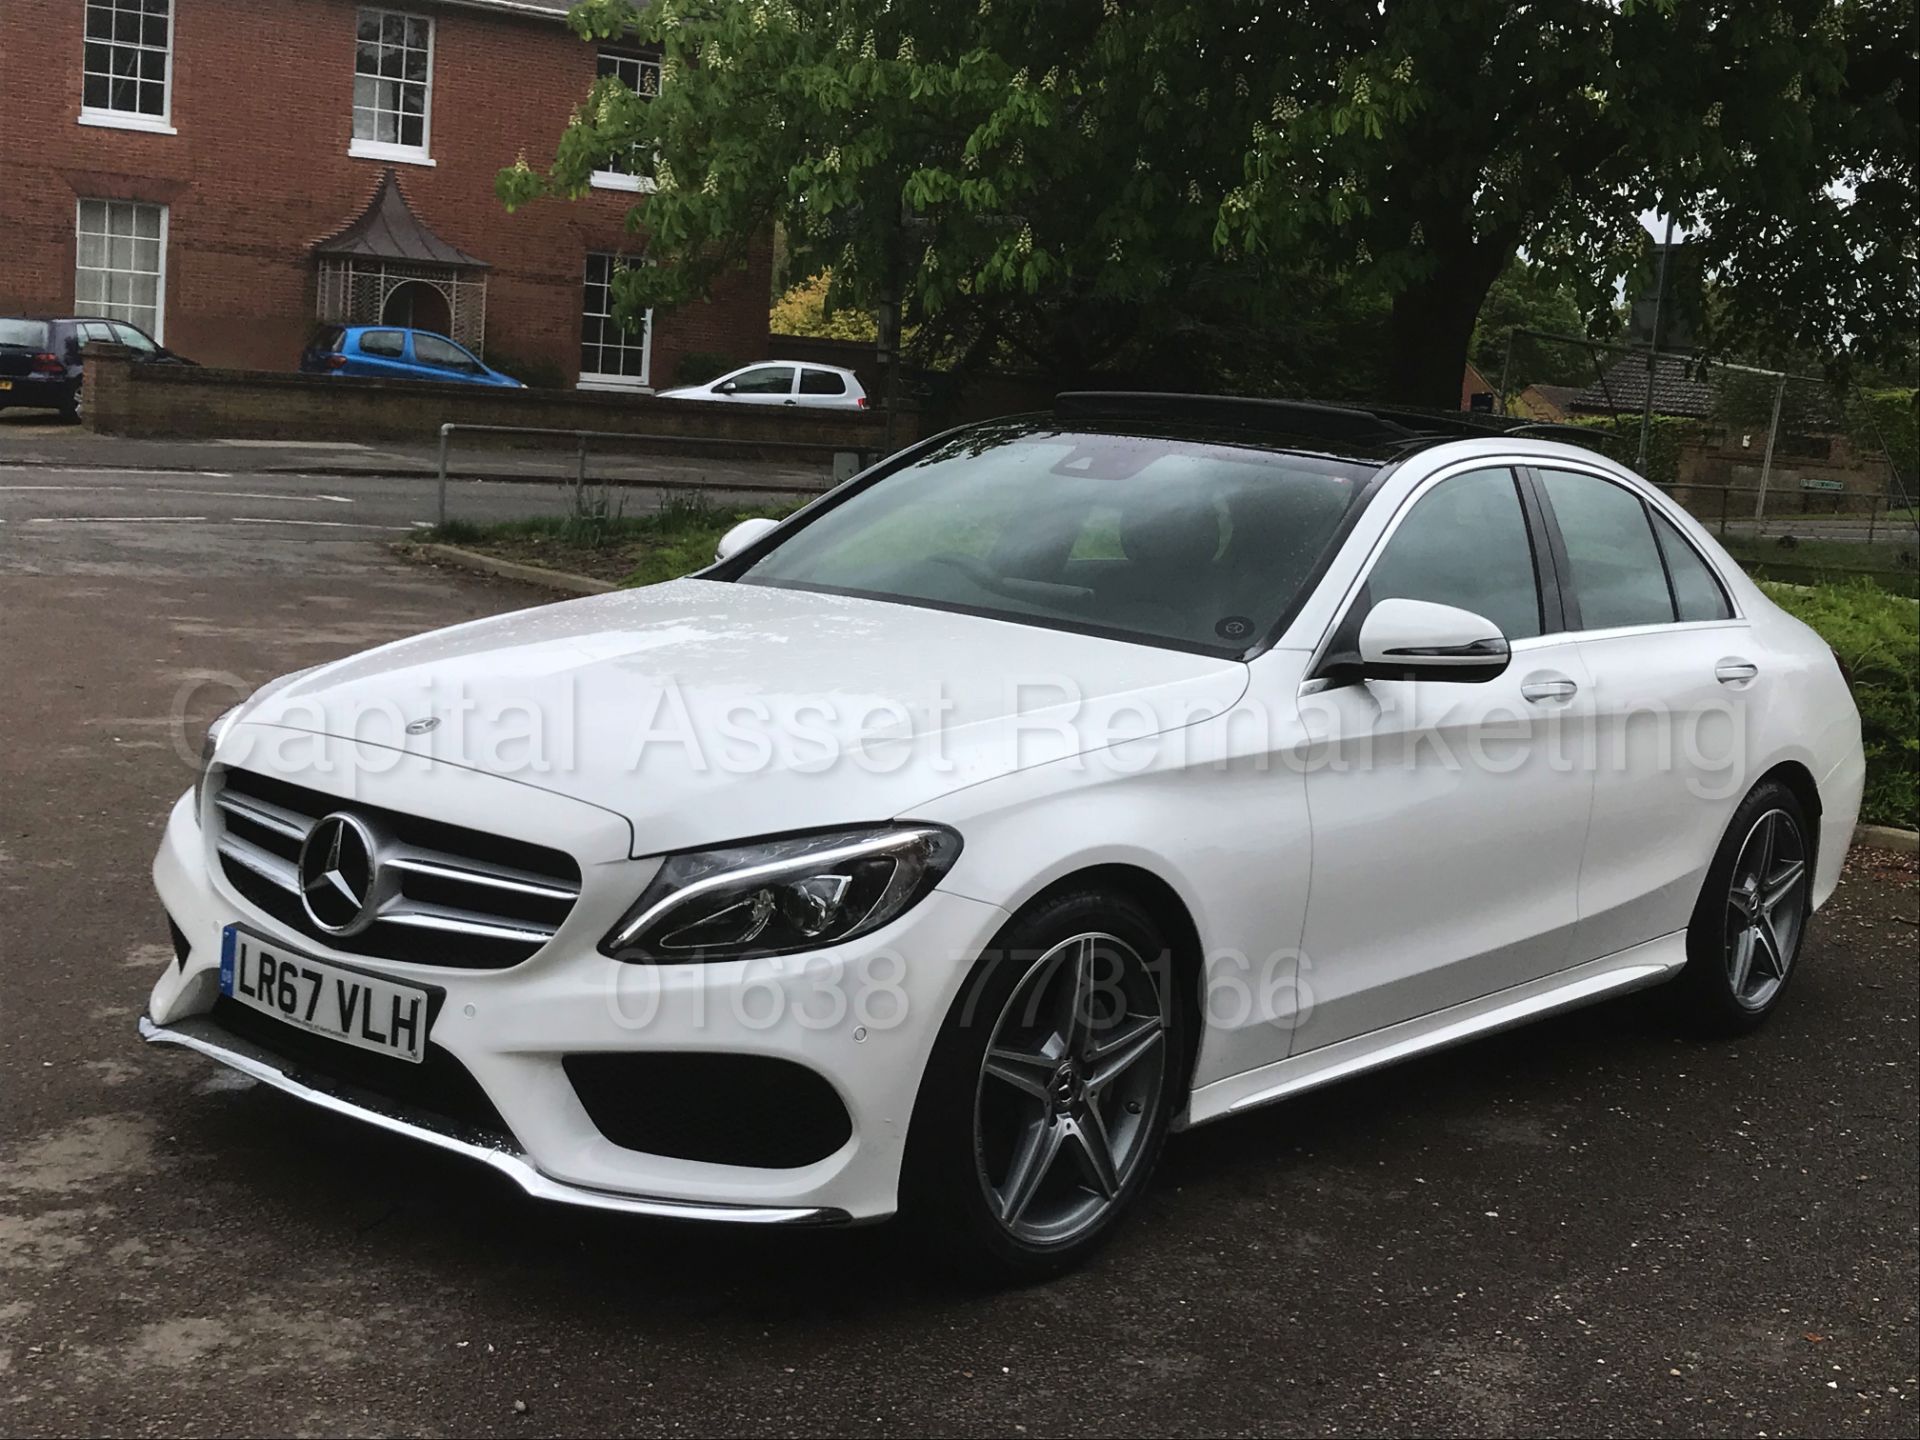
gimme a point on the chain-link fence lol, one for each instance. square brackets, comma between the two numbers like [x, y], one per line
[1800, 482]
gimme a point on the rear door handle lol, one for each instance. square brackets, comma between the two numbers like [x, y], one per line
[1735, 672]
[1542, 691]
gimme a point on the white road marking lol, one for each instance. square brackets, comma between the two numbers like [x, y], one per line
[293, 444]
[326, 524]
[115, 519]
[335, 499]
[227, 494]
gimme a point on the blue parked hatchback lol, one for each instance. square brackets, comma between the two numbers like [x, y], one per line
[395, 352]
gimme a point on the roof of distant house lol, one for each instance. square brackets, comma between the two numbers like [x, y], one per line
[1678, 388]
[1548, 402]
[389, 230]
[1683, 385]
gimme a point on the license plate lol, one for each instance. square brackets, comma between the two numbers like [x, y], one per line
[378, 1015]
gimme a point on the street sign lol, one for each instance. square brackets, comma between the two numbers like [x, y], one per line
[1807, 483]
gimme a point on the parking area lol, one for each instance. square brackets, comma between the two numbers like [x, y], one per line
[1591, 1225]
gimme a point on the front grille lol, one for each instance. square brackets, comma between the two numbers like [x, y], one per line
[450, 896]
[439, 1085]
[755, 1110]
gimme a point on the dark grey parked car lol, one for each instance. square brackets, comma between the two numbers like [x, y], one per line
[41, 364]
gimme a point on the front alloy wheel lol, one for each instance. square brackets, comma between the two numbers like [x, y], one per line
[1070, 1089]
[1050, 1088]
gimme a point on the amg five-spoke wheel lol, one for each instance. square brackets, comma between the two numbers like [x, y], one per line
[1766, 904]
[1070, 1087]
[1752, 914]
[1051, 1086]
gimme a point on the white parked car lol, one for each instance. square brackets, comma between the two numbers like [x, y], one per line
[1059, 783]
[781, 382]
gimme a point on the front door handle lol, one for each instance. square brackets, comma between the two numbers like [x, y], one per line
[1735, 672]
[1540, 692]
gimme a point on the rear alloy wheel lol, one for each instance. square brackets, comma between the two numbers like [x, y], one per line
[1766, 908]
[1050, 1089]
[1752, 915]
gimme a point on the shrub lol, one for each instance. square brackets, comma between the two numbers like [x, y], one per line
[1877, 636]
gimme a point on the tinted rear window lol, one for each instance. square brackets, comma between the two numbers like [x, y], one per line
[822, 382]
[30, 333]
[328, 339]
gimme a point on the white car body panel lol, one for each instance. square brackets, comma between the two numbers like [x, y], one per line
[1346, 917]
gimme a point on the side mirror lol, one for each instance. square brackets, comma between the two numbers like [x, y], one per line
[1418, 640]
[725, 387]
[741, 536]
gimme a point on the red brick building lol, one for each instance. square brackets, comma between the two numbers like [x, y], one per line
[230, 173]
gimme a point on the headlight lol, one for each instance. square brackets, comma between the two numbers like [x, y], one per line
[775, 897]
[207, 747]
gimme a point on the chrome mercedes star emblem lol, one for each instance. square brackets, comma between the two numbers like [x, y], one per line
[423, 725]
[339, 874]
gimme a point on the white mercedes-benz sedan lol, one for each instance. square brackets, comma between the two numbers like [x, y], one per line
[1059, 783]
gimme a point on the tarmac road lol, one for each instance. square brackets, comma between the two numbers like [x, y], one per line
[1589, 1226]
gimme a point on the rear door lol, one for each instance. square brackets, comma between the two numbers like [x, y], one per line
[1449, 819]
[379, 354]
[1676, 679]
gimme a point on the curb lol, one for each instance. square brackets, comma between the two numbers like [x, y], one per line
[364, 472]
[480, 564]
[1886, 837]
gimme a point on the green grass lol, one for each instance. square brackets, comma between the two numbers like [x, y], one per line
[602, 540]
[1877, 635]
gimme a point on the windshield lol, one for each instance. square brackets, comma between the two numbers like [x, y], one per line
[1199, 544]
[32, 334]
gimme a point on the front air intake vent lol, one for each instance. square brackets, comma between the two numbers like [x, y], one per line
[384, 884]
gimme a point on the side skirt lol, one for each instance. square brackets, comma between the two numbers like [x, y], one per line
[1632, 969]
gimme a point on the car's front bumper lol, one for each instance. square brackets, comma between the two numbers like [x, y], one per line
[863, 1017]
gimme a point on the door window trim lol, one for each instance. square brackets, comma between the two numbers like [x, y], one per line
[1656, 503]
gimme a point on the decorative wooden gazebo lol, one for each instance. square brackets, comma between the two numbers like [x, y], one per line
[387, 268]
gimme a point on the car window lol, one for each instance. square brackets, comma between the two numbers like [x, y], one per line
[388, 344]
[822, 382]
[27, 334]
[1696, 590]
[432, 350]
[134, 339]
[1196, 543]
[1465, 544]
[764, 380]
[92, 330]
[1617, 578]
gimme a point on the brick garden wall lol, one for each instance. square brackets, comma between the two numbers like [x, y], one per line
[263, 105]
[180, 402]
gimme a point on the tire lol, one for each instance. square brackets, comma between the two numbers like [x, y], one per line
[1067, 1043]
[1742, 947]
[71, 412]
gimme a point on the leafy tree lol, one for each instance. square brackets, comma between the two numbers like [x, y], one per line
[1093, 182]
[1525, 296]
[802, 310]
